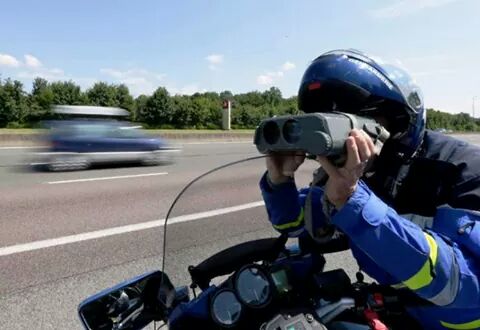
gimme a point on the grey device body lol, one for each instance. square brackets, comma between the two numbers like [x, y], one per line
[320, 134]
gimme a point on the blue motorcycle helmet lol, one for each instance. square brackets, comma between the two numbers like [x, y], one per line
[352, 82]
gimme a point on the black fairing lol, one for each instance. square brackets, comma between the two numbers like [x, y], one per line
[229, 260]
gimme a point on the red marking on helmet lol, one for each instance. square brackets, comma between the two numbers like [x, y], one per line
[315, 85]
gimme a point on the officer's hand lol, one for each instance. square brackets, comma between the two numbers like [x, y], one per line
[342, 182]
[282, 166]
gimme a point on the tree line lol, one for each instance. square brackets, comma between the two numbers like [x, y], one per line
[19, 108]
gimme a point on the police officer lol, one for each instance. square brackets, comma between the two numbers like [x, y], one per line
[408, 210]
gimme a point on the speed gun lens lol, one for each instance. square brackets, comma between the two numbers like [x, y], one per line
[271, 132]
[292, 131]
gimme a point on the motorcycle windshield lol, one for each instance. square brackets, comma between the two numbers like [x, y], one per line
[219, 210]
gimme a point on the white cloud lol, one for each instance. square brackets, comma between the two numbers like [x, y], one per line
[288, 66]
[407, 7]
[131, 73]
[215, 58]
[264, 79]
[31, 68]
[31, 61]
[112, 73]
[186, 90]
[139, 81]
[276, 74]
[214, 61]
[269, 78]
[9, 60]
[46, 73]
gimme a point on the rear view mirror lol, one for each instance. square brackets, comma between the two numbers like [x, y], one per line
[130, 305]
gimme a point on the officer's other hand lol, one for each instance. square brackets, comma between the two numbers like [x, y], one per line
[282, 166]
[343, 181]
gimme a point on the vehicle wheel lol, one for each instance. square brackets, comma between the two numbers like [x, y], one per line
[170, 158]
[56, 164]
[151, 160]
[158, 159]
[82, 163]
[68, 163]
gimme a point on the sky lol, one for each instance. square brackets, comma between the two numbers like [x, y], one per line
[198, 45]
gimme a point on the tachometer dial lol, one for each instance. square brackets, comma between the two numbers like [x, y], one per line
[226, 309]
[253, 287]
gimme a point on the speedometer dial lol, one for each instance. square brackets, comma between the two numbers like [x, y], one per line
[253, 287]
[226, 308]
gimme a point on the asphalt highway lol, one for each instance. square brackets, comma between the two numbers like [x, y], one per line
[65, 236]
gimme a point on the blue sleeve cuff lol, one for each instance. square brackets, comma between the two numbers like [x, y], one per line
[362, 205]
[382, 234]
[269, 185]
[284, 206]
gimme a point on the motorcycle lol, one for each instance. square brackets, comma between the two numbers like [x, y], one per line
[258, 280]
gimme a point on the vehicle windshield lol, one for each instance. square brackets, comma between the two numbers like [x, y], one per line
[219, 210]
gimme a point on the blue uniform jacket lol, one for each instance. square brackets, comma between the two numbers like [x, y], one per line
[439, 263]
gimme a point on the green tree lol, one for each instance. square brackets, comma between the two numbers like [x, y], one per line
[251, 98]
[123, 99]
[67, 93]
[158, 109]
[273, 96]
[457, 122]
[226, 95]
[201, 110]
[206, 111]
[214, 109]
[140, 104]
[4, 111]
[40, 100]
[102, 94]
[288, 106]
[182, 109]
[248, 116]
[13, 103]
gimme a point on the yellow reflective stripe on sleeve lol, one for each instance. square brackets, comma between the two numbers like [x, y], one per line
[424, 276]
[292, 224]
[462, 326]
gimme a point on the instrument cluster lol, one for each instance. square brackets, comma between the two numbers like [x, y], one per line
[251, 288]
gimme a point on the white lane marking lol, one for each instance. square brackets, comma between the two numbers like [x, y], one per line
[37, 245]
[107, 178]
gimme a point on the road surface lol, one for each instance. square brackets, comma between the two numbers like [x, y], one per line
[65, 236]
